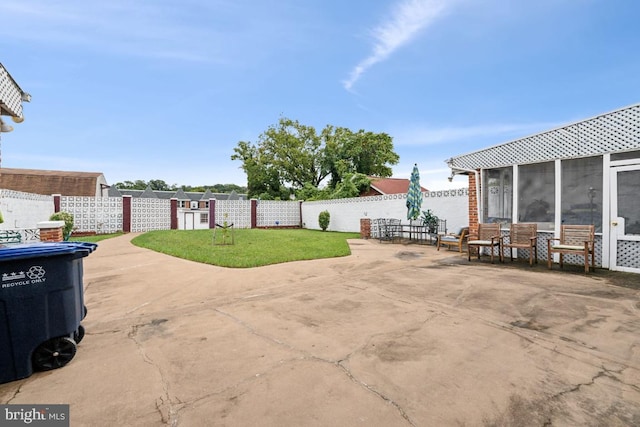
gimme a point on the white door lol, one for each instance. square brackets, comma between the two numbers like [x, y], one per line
[189, 222]
[625, 219]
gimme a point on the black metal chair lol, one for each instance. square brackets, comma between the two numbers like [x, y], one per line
[389, 229]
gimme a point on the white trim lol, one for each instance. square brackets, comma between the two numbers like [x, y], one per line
[617, 131]
[615, 234]
[606, 211]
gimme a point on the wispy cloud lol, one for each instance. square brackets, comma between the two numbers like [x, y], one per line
[500, 132]
[405, 22]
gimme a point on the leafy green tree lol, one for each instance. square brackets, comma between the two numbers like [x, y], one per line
[360, 152]
[139, 184]
[217, 188]
[309, 192]
[290, 153]
[160, 185]
[351, 186]
[262, 175]
[295, 151]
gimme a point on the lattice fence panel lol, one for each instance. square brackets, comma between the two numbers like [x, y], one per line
[275, 213]
[236, 212]
[94, 214]
[612, 132]
[150, 214]
[628, 254]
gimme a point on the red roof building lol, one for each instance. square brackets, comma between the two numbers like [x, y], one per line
[382, 186]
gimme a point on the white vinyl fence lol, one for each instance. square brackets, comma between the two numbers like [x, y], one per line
[450, 205]
[105, 214]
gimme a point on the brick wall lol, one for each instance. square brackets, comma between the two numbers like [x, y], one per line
[365, 228]
[473, 204]
[51, 231]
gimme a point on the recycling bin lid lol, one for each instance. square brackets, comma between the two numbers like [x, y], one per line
[45, 249]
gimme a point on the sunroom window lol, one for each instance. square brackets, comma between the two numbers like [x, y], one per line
[498, 197]
[536, 194]
[582, 191]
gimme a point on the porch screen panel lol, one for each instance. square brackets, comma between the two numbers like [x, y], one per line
[628, 201]
[498, 195]
[536, 194]
[582, 191]
[626, 155]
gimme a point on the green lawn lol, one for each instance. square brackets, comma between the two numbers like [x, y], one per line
[252, 247]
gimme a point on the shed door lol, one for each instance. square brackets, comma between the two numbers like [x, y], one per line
[189, 223]
[625, 219]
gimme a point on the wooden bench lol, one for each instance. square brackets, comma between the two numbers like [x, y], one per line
[10, 236]
[573, 240]
[455, 239]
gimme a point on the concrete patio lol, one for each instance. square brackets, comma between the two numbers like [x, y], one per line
[393, 335]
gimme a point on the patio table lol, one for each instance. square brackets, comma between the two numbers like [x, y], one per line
[419, 233]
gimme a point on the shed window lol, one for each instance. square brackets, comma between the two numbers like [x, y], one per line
[536, 194]
[582, 191]
[204, 218]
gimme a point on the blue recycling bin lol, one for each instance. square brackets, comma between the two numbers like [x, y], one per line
[41, 306]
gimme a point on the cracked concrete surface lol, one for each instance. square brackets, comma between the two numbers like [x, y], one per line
[393, 335]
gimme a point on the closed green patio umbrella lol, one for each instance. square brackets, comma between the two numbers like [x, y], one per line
[414, 196]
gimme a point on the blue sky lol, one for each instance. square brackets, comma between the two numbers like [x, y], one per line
[165, 89]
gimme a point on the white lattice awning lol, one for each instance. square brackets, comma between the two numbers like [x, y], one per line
[607, 133]
[11, 96]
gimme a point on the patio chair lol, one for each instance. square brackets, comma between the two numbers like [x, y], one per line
[574, 240]
[434, 230]
[488, 237]
[440, 230]
[523, 236]
[389, 229]
[453, 239]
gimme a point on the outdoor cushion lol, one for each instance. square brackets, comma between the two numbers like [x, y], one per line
[574, 239]
[570, 247]
[449, 239]
[481, 242]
